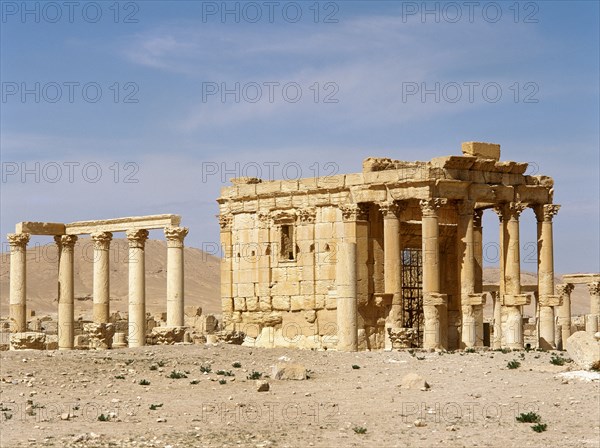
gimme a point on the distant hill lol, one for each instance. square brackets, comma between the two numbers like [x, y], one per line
[202, 280]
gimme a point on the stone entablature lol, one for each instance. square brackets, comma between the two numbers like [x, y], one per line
[287, 245]
[101, 232]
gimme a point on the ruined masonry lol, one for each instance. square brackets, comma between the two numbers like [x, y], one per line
[387, 258]
[65, 236]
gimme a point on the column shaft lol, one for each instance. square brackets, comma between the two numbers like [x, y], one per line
[101, 291]
[513, 330]
[225, 222]
[497, 341]
[175, 275]
[66, 291]
[547, 298]
[137, 287]
[18, 281]
[392, 266]
[478, 254]
[466, 254]
[434, 304]
[346, 279]
[592, 322]
[564, 315]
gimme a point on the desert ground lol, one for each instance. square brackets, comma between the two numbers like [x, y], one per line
[59, 399]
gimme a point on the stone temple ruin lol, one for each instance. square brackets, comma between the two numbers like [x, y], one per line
[100, 332]
[390, 257]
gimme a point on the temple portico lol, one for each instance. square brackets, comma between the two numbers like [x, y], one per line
[399, 254]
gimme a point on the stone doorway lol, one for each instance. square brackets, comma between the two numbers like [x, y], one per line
[412, 292]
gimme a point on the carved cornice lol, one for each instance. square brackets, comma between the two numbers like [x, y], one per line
[137, 238]
[391, 209]
[175, 236]
[594, 288]
[65, 242]
[429, 206]
[283, 217]
[102, 240]
[18, 240]
[564, 289]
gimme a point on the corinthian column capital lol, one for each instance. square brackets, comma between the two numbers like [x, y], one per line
[594, 288]
[65, 242]
[18, 240]
[429, 206]
[390, 209]
[564, 289]
[175, 236]
[137, 238]
[102, 240]
[354, 212]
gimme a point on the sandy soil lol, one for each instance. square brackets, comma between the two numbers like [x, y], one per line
[473, 400]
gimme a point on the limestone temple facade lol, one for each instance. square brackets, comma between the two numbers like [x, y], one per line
[389, 257]
[66, 236]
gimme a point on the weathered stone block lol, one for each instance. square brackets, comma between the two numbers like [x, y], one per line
[100, 335]
[239, 304]
[27, 340]
[584, 349]
[481, 150]
[252, 303]
[297, 303]
[168, 335]
[289, 371]
[281, 303]
[191, 311]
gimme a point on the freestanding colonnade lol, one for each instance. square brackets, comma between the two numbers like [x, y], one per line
[101, 232]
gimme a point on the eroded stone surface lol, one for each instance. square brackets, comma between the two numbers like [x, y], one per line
[584, 349]
[28, 340]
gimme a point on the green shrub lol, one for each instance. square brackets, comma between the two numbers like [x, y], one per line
[144, 383]
[530, 417]
[359, 430]
[514, 364]
[540, 427]
[254, 375]
[176, 374]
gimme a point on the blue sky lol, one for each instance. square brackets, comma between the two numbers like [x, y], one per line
[527, 74]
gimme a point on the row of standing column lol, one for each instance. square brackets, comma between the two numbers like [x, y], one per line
[101, 283]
